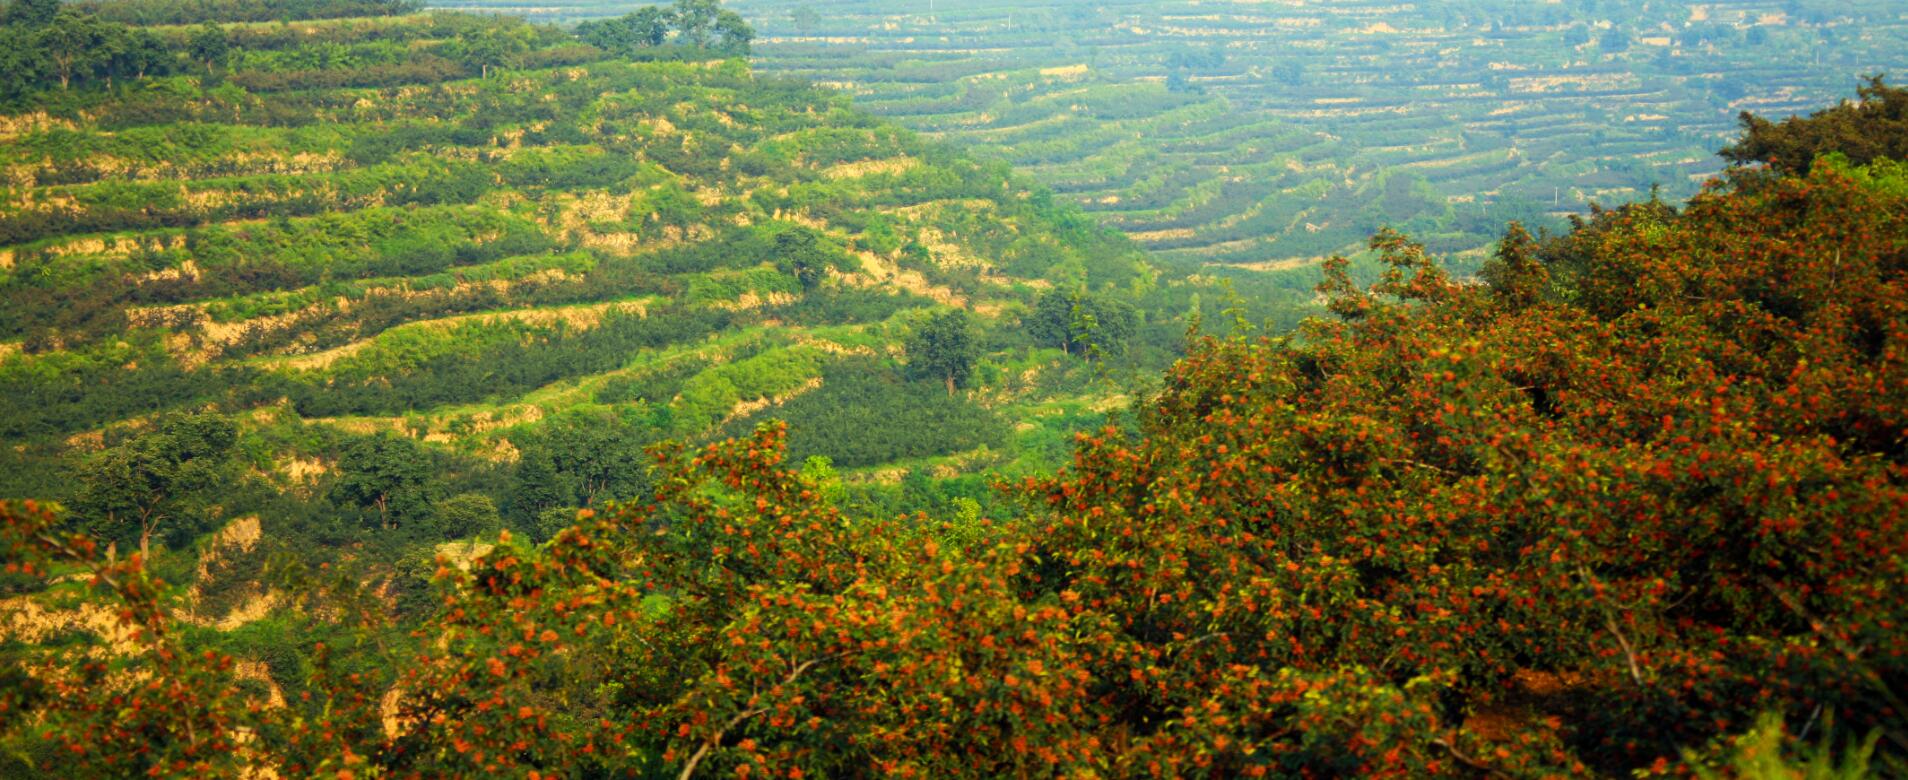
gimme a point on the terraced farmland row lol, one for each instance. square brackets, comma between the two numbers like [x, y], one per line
[672, 249]
[1242, 132]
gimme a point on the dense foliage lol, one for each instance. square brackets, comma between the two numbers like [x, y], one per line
[1644, 490]
[446, 396]
[44, 45]
[1872, 128]
[325, 298]
[695, 23]
[157, 12]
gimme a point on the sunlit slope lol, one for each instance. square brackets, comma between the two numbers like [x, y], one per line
[681, 247]
[1246, 132]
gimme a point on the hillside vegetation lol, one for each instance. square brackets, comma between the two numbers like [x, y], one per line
[1276, 133]
[481, 239]
[370, 285]
[433, 395]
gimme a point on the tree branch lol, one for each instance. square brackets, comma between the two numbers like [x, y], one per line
[1609, 620]
[1467, 760]
[689, 769]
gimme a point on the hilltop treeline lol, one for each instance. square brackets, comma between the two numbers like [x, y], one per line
[695, 23]
[47, 46]
[182, 12]
[1637, 504]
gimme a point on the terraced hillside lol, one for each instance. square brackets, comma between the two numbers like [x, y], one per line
[346, 235]
[1271, 132]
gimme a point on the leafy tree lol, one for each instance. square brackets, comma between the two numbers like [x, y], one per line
[466, 515]
[1614, 40]
[733, 34]
[799, 253]
[388, 473]
[804, 18]
[1515, 273]
[584, 458]
[942, 348]
[491, 48]
[1051, 322]
[645, 27]
[650, 25]
[75, 44]
[139, 53]
[550, 522]
[1873, 128]
[164, 477]
[20, 58]
[1081, 323]
[536, 488]
[209, 45]
[1289, 72]
[32, 13]
[695, 20]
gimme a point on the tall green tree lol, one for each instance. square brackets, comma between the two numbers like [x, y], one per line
[76, 45]
[21, 61]
[583, 458]
[804, 18]
[536, 488]
[1516, 275]
[490, 49]
[695, 20]
[163, 477]
[466, 515]
[943, 348]
[1051, 322]
[733, 34]
[1081, 323]
[389, 474]
[1614, 40]
[649, 26]
[137, 53]
[798, 253]
[209, 45]
[643, 28]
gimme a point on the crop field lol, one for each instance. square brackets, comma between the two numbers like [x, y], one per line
[1271, 132]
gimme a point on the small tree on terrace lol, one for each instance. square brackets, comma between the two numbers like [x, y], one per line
[75, 44]
[643, 28]
[389, 474]
[798, 253]
[943, 348]
[492, 48]
[135, 489]
[209, 45]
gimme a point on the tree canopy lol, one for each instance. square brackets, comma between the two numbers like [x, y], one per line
[1873, 127]
[942, 349]
[695, 23]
